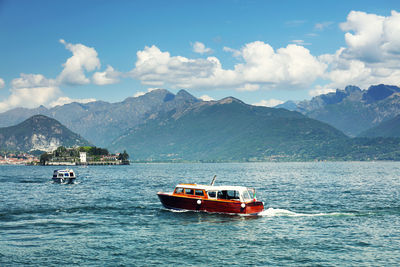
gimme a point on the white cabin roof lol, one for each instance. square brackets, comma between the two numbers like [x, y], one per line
[213, 188]
[61, 171]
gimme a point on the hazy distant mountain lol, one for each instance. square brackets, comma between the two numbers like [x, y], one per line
[101, 122]
[388, 128]
[353, 110]
[38, 133]
[289, 105]
[230, 130]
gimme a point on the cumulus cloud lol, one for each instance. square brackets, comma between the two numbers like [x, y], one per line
[269, 103]
[66, 100]
[156, 68]
[33, 90]
[83, 59]
[200, 48]
[263, 67]
[109, 76]
[30, 90]
[372, 54]
[289, 66]
[364, 44]
[2, 83]
[32, 81]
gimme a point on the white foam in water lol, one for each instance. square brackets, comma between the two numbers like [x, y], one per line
[177, 211]
[271, 212]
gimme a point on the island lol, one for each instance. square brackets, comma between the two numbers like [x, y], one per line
[84, 155]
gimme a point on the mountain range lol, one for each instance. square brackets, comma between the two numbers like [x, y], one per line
[352, 110]
[161, 126]
[38, 133]
[228, 130]
[101, 122]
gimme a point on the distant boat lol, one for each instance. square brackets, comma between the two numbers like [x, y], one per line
[210, 198]
[64, 176]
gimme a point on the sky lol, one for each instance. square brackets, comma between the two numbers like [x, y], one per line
[262, 52]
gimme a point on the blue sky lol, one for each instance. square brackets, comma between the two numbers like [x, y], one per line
[263, 52]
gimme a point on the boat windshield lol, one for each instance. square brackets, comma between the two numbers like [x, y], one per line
[179, 190]
[246, 195]
[252, 192]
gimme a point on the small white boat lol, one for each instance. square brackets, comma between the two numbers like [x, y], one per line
[64, 176]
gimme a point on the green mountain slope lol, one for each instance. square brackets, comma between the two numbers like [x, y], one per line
[230, 130]
[388, 128]
[38, 133]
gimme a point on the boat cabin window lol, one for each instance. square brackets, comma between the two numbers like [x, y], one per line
[228, 194]
[212, 194]
[66, 174]
[179, 190]
[189, 191]
[199, 192]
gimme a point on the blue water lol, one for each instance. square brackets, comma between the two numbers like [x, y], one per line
[327, 214]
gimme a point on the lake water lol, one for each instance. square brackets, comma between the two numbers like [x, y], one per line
[327, 214]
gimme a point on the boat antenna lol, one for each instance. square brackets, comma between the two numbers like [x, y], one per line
[213, 180]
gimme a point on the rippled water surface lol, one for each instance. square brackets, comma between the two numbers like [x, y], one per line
[328, 214]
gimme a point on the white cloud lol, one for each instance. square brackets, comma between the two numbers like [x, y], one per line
[30, 91]
[2, 83]
[66, 100]
[248, 87]
[291, 67]
[235, 53]
[365, 43]
[109, 76]
[157, 68]
[201, 48]
[372, 55]
[206, 98]
[139, 94]
[269, 103]
[83, 58]
[32, 81]
[320, 90]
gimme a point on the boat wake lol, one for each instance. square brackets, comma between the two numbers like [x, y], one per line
[271, 212]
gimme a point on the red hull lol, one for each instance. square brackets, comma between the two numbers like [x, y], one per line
[209, 205]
